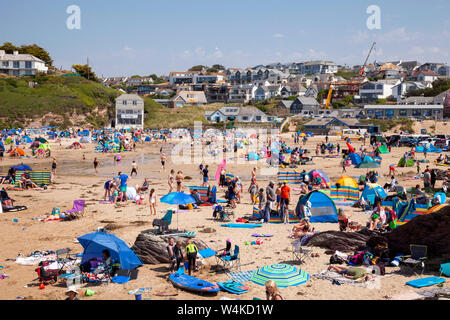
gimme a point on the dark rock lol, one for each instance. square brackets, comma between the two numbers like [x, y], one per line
[431, 230]
[152, 248]
[338, 240]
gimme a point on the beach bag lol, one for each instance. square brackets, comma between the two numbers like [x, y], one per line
[335, 259]
[356, 259]
[55, 211]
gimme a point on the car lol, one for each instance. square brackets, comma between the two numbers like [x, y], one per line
[408, 142]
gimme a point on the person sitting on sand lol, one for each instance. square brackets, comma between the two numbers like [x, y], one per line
[272, 292]
[354, 273]
[301, 230]
[26, 182]
[344, 221]
[144, 186]
[378, 216]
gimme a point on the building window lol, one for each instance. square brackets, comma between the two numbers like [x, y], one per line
[389, 113]
[15, 64]
[427, 113]
[378, 113]
[245, 118]
[402, 113]
[416, 112]
[258, 118]
[5, 63]
[28, 64]
[124, 102]
[134, 102]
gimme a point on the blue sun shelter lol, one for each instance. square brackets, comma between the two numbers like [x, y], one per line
[371, 191]
[354, 158]
[318, 206]
[95, 243]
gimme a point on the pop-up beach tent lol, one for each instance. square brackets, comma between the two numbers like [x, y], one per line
[354, 158]
[95, 243]
[322, 208]
[345, 189]
[382, 149]
[371, 191]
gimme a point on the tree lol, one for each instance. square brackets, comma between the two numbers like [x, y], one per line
[85, 71]
[38, 52]
[212, 70]
[218, 67]
[197, 68]
[9, 47]
[32, 49]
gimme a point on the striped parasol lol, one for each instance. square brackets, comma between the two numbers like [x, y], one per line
[284, 275]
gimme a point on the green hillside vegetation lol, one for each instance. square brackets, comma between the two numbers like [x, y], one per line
[388, 124]
[158, 116]
[58, 95]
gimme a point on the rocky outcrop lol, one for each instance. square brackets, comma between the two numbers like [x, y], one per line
[152, 248]
[338, 240]
[432, 230]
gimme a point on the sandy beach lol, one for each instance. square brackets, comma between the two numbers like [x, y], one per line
[75, 179]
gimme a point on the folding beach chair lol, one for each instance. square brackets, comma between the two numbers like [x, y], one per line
[230, 262]
[163, 223]
[416, 259]
[78, 207]
[299, 253]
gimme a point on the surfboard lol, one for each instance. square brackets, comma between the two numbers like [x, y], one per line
[189, 283]
[233, 287]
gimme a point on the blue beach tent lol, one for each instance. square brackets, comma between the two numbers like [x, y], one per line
[95, 243]
[354, 158]
[322, 208]
[371, 191]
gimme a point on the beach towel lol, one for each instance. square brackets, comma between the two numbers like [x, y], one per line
[243, 276]
[241, 225]
[206, 253]
[425, 282]
[334, 276]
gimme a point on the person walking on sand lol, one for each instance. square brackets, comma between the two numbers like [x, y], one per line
[205, 176]
[152, 201]
[191, 255]
[278, 195]
[343, 165]
[254, 173]
[285, 199]
[96, 163]
[163, 160]
[133, 168]
[171, 180]
[179, 178]
[54, 163]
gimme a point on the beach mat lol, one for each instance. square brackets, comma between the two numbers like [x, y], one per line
[243, 276]
[425, 282]
[241, 225]
[206, 253]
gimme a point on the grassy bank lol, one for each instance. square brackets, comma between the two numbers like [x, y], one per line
[62, 99]
[385, 125]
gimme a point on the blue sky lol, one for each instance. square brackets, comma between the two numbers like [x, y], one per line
[147, 36]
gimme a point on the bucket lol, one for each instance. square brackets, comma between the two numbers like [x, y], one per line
[138, 296]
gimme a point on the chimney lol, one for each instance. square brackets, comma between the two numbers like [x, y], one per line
[15, 52]
[2, 53]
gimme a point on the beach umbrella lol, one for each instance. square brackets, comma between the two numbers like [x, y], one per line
[284, 275]
[366, 165]
[95, 243]
[302, 134]
[178, 198]
[22, 167]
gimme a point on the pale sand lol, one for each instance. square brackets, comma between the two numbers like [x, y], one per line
[134, 218]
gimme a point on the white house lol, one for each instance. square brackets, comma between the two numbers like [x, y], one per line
[21, 64]
[239, 114]
[129, 112]
[373, 90]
